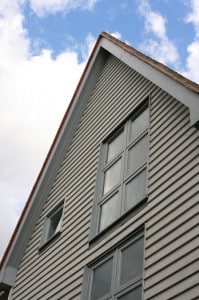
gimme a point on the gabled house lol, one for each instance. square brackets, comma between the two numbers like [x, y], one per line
[114, 211]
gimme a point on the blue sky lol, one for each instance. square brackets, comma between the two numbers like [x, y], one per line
[44, 46]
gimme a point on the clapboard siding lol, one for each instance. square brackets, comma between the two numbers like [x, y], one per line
[176, 283]
[164, 208]
[161, 238]
[56, 267]
[57, 272]
[75, 239]
[73, 218]
[167, 164]
[178, 172]
[180, 253]
[173, 268]
[171, 230]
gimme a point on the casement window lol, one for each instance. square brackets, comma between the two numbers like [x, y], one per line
[122, 172]
[52, 225]
[118, 275]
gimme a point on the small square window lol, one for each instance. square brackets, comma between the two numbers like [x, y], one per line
[52, 225]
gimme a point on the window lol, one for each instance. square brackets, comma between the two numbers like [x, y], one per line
[52, 225]
[118, 275]
[122, 172]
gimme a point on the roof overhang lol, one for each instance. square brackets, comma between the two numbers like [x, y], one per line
[179, 87]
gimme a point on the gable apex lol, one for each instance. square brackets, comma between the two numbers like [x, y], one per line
[181, 88]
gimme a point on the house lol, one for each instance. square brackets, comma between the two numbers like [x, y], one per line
[114, 211]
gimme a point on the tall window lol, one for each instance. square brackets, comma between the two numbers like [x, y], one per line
[121, 182]
[118, 275]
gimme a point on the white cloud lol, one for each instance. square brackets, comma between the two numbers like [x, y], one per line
[193, 16]
[154, 22]
[159, 47]
[87, 46]
[163, 50]
[117, 35]
[42, 7]
[34, 94]
[192, 61]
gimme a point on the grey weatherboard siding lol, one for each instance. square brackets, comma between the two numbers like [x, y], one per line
[170, 217]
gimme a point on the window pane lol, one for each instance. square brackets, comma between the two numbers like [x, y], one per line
[102, 280]
[115, 146]
[135, 190]
[55, 223]
[139, 124]
[132, 261]
[136, 294]
[110, 211]
[137, 155]
[112, 176]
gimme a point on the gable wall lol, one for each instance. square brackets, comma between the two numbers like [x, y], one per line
[57, 272]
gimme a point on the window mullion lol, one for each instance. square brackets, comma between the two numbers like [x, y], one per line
[124, 164]
[115, 273]
[95, 218]
[118, 270]
[101, 175]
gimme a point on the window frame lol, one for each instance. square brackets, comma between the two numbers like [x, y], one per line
[45, 239]
[116, 290]
[99, 198]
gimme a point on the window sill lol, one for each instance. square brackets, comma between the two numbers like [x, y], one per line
[118, 223]
[49, 241]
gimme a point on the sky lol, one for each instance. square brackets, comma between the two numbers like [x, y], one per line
[44, 46]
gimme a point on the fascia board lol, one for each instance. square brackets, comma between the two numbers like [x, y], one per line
[168, 84]
[7, 276]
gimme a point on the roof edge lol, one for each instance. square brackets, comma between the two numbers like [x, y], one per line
[152, 62]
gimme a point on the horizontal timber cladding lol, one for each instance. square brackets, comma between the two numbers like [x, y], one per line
[57, 271]
[171, 261]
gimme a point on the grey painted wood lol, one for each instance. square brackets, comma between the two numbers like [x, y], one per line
[171, 238]
[170, 217]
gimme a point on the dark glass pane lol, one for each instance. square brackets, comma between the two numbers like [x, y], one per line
[137, 155]
[55, 223]
[132, 261]
[110, 211]
[115, 146]
[135, 190]
[102, 280]
[139, 124]
[112, 176]
[133, 295]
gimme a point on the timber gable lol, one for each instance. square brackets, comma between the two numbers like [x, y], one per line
[115, 83]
